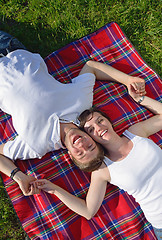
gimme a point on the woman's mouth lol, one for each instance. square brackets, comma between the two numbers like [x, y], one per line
[103, 133]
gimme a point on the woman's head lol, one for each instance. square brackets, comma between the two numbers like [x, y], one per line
[96, 124]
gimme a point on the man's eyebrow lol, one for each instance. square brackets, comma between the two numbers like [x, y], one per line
[93, 148]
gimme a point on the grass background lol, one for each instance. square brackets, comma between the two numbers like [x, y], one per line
[46, 25]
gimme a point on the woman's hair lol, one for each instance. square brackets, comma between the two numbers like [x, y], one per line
[92, 165]
[88, 114]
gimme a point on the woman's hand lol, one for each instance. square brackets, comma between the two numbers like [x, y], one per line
[45, 185]
[136, 87]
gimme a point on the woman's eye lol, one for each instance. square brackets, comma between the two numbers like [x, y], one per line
[100, 120]
[90, 130]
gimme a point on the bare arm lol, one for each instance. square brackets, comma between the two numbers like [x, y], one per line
[105, 72]
[151, 125]
[23, 180]
[86, 208]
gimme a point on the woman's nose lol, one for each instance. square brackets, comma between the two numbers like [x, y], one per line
[97, 129]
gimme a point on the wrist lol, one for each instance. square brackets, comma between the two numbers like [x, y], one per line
[141, 99]
[128, 80]
[19, 176]
[13, 172]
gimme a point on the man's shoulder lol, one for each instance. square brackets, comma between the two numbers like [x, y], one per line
[84, 78]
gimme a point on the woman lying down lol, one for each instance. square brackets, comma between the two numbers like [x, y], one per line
[132, 162]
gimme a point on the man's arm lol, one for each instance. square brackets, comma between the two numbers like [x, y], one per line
[23, 180]
[105, 72]
[152, 125]
[18, 149]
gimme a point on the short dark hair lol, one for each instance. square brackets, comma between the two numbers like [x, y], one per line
[85, 116]
[93, 164]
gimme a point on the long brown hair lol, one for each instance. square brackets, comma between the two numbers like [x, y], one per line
[88, 114]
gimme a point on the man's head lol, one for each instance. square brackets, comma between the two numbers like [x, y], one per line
[84, 151]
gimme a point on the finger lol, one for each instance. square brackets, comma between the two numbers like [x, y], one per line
[34, 184]
[141, 89]
[135, 86]
[31, 192]
[34, 190]
[41, 182]
[41, 186]
[143, 93]
[140, 86]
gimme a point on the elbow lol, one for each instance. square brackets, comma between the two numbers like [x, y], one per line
[89, 63]
[89, 66]
[89, 216]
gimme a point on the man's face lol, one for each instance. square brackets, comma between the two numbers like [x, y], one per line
[80, 145]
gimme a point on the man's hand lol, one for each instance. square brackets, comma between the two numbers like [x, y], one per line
[24, 181]
[136, 87]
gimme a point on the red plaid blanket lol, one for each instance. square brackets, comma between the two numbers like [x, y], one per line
[44, 216]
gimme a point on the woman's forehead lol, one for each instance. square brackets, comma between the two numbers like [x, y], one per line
[92, 116]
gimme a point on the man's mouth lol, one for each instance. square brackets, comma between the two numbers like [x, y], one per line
[103, 133]
[76, 139]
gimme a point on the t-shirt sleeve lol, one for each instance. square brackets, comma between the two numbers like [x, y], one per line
[87, 78]
[18, 149]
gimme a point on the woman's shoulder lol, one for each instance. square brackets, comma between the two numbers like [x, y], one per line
[102, 173]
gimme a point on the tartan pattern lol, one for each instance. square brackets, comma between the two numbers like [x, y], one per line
[44, 216]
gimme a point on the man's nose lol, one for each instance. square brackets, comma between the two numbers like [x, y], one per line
[84, 143]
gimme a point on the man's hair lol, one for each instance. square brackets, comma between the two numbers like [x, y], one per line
[93, 164]
[87, 115]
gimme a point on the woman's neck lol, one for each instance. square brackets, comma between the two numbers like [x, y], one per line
[119, 148]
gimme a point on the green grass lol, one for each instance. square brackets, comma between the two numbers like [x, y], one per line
[9, 224]
[46, 25]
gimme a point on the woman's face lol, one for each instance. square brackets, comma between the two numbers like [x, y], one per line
[99, 128]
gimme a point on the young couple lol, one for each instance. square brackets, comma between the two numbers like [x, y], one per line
[131, 161]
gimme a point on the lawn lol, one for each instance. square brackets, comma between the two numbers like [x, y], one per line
[46, 25]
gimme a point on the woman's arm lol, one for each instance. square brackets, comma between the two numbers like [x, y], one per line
[151, 125]
[86, 208]
[105, 72]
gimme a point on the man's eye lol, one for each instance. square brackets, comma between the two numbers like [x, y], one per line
[93, 148]
[90, 146]
[79, 154]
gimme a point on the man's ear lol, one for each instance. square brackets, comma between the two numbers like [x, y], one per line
[70, 154]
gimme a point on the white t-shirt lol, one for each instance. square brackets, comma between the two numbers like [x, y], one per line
[140, 175]
[36, 101]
